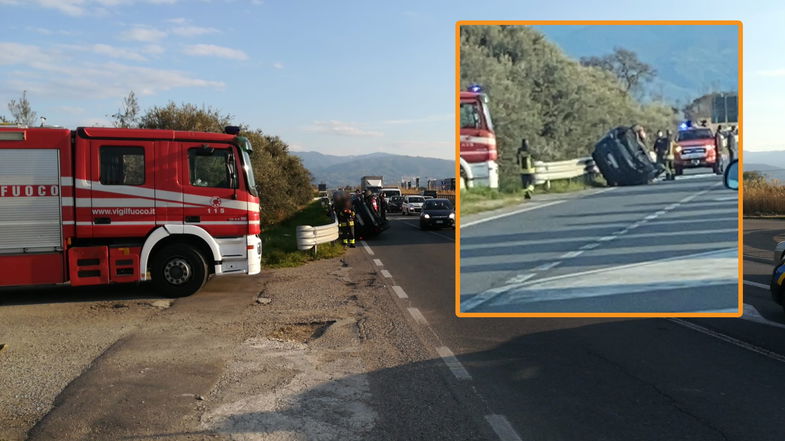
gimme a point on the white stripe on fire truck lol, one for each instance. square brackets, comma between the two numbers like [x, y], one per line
[66, 181]
[125, 223]
[165, 195]
[479, 139]
[67, 202]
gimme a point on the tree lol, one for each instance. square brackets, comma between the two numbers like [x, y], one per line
[21, 111]
[128, 115]
[185, 117]
[625, 65]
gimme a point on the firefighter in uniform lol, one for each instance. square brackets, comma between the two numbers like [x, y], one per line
[346, 221]
[526, 164]
[661, 147]
[669, 155]
[720, 150]
[733, 151]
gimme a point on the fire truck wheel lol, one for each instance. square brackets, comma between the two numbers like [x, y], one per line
[178, 271]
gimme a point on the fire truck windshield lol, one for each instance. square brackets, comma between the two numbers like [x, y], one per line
[470, 116]
[245, 148]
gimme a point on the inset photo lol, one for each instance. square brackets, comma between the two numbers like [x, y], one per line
[599, 166]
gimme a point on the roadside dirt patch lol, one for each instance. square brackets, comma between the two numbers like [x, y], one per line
[301, 332]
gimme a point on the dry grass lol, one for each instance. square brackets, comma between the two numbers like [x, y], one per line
[764, 198]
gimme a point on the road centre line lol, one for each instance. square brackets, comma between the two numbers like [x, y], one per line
[377, 262]
[502, 427]
[367, 248]
[728, 339]
[386, 273]
[453, 364]
[399, 292]
[547, 266]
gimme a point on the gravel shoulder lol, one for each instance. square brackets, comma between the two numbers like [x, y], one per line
[323, 351]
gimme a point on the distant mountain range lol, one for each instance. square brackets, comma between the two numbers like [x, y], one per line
[690, 60]
[337, 171]
[771, 164]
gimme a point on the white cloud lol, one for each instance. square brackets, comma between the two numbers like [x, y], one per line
[278, 65]
[178, 20]
[58, 73]
[153, 49]
[340, 128]
[81, 7]
[191, 31]
[117, 52]
[144, 34]
[424, 119]
[211, 50]
[772, 73]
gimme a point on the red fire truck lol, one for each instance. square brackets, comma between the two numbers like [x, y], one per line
[478, 141]
[102, 205]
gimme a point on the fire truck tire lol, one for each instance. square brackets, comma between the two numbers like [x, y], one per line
[178, 270]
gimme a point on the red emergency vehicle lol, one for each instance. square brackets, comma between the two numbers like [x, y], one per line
[478, 141]
[103, 205]
[696, 148]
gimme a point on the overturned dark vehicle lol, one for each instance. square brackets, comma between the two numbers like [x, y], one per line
[622, 160]
[369, 220]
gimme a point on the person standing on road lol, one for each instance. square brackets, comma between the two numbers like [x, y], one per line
[661, 147]
[346, 217]
[733, 152]
[526, 164]
[719, 149]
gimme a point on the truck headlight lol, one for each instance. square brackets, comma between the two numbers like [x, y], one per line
[708, 146]
[452, 215]
[426, 215]
[677, 149]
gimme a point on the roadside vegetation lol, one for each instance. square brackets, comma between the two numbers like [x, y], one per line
[763, 197]
[279, 241]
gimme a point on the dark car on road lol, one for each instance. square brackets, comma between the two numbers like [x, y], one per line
[395, 205]
[437, 213]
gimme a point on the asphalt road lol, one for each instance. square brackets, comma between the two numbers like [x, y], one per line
[666, 247]
[606, 379]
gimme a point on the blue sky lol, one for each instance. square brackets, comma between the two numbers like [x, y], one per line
[337, 77]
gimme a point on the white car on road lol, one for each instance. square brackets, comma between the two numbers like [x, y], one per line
[412, 204]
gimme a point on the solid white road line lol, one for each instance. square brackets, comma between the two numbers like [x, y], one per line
[726, 338]
[453, 364]
[756, 284]
[386, 273]
[752, 314]
[417, 316]
[367, 248]
[511, 213]
[502, 427]
[520, 278]
[377, 262]
[399, 292]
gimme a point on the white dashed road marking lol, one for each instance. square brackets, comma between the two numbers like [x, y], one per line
[571, 254]
[367, 248]
[512, 213]
[417, 316]
[453, 364]
[590, 246]
[399, 292]
[386, 273]
[377, 262]
[756, 284]
[502, 427]
[547, 266]
[521, 278]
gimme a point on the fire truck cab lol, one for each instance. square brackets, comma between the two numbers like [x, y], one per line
[695, 148]
[102, 205]
[478, 141]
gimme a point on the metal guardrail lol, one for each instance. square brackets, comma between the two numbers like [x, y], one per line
[310, 237]
[545, 172]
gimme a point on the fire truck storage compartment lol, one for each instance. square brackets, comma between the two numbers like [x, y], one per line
[124, 264]
[29, 201]
[88, 265]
